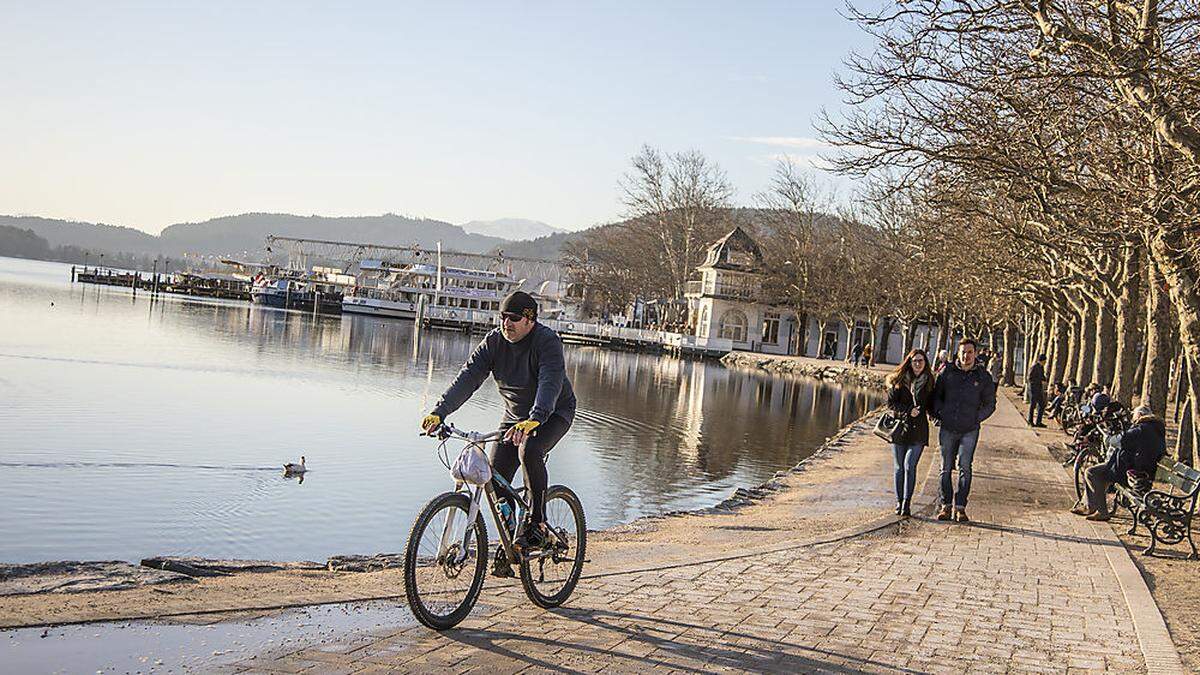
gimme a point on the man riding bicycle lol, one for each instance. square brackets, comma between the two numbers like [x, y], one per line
[526, 360]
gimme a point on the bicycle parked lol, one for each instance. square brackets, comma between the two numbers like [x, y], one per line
[446, 557]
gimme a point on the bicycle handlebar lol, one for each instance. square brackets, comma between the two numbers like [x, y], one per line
[446, 430]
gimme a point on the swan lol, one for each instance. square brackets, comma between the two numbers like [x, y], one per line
[290, 469]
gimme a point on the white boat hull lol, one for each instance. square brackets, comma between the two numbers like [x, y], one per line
[374, 307]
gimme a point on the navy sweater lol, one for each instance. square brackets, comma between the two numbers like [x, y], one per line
[531, 374]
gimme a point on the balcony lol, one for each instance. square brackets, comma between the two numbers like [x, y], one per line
[726, 291]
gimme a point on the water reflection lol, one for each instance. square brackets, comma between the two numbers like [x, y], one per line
[145, 389]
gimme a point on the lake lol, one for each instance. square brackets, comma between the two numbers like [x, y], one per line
[131, 428]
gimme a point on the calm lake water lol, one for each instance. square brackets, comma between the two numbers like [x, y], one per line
[130, 428]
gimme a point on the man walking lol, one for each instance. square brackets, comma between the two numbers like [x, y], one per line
[963, 397]
[1035, 385]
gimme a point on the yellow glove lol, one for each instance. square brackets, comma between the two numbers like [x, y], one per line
[521, 430]
[431, 422]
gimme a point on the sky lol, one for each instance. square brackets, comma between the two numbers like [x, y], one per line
[145, 115]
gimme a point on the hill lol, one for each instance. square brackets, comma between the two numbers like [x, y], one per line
[91, 236]
[234, 235]
[515, 229]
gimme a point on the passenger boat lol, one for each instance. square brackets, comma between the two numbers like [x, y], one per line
[292, 289]
[393, 289]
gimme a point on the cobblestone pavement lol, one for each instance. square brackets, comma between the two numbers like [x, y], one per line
[1025, 587]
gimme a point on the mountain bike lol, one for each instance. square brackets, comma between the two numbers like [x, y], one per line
[446, 556]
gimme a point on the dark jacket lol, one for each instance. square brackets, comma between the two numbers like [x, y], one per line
[1140, 448]
[900, 401]
[531, 374]
[963, 399]
[1037, 378]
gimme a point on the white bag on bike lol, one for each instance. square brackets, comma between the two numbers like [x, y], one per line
[472, 466]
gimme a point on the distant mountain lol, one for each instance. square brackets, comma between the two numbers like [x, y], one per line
[234, 234]
[91, 236]
[515, 229]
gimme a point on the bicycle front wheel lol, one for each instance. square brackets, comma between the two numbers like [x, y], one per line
[549, 575]
[444, 561]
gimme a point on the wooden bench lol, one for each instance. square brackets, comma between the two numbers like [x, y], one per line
[1168, 515]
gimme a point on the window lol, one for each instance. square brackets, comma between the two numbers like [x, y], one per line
[702, 327]
[770, 331]
[733, 326]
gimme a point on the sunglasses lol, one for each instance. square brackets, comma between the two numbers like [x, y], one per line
[509, 316]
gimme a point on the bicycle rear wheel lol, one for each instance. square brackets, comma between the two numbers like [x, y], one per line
[443, 582]
[550, 575]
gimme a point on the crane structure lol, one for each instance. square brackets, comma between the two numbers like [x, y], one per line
[533, 273]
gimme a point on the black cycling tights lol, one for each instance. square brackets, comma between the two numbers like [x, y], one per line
[506, 456]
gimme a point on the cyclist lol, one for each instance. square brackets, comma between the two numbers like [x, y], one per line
[526, 360]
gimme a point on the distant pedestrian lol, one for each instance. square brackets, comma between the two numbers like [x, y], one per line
[996, 368]
[963, 397]
[1035, 389]
[909, 387]
[856, 353]
[940, 362]
[866, 355]
[1135, 455]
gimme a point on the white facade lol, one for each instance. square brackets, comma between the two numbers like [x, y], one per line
[726, 302]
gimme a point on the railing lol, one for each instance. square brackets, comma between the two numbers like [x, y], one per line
[595, 331]
[721, 290]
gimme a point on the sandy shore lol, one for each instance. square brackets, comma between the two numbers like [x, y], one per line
[844, 485]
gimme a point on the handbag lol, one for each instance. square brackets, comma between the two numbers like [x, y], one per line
[890, 427]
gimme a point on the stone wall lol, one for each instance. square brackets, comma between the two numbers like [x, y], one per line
[833, 371]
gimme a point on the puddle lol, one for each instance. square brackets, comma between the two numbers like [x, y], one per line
[144, 646]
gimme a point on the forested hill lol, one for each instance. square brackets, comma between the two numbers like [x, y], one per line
[246, 232]
[242, 234]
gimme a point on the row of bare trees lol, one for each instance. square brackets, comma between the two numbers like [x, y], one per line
[1045, 155]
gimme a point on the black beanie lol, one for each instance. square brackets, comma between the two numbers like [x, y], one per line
[520, 302]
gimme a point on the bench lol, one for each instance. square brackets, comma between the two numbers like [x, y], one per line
[1167, 515]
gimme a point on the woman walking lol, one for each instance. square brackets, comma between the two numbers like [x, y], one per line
[909, 388]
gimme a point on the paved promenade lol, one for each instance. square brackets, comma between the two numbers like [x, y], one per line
[1026, 587]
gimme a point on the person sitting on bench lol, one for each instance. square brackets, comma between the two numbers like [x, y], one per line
[1137, 449]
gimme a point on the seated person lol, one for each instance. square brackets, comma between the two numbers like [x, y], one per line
[1138, 449]
[1100, 400]
[1056, 403]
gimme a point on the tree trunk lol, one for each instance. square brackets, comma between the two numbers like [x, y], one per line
[1009, 374]
[1087, 343]
[1169, 248]
[1157, 379]
[1130, 310]
[1073, 340]
[1104, 362]
[910, 336]
[1058, 366]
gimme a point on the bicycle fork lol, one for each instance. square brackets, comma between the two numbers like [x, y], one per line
[448, 529]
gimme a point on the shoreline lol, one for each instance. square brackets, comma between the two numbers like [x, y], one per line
[117, 590]
[820, 369]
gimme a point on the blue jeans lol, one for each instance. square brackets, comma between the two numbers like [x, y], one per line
[906, 458]
[960, 447]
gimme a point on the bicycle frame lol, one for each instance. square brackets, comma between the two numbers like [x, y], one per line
[489, 490]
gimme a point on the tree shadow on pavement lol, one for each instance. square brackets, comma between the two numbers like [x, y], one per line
[1041, 535]
[641, 642]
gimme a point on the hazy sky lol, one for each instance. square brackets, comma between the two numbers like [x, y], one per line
[147, 115]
